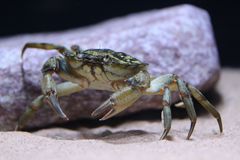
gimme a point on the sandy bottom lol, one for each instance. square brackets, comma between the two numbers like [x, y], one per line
[138, 139]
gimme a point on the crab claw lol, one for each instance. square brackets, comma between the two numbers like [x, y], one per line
[118, 102]
[106, 110]
[54, 104]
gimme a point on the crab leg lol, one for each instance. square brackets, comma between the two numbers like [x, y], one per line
[166, 114]
[51, 91]
[29, 113]
[57, 65]
[158, 87]
[46, 46]
[63, 89]
[206, 104]
[164, 85]
[187, 100]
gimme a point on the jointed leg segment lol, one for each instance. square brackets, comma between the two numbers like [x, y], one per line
[50, 90]
[166, 113]
[47, 46]
[185, 95]
[206, 104]
[62, 89]
[29, 113]
[163, 85]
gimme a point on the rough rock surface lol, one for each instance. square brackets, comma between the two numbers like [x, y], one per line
[174, 40]
[138, 139]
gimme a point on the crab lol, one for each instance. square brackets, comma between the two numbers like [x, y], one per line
[118, 72]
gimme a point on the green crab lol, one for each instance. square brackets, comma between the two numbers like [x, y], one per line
[105, 69]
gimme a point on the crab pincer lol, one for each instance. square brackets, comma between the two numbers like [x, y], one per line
[118, 102]
[50, 94]
[52, 101]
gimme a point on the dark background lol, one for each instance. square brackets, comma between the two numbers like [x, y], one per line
[29, 16]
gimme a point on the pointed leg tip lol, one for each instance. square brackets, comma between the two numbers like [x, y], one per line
[188, 137]
[221, 129]
[162, 138]
[94, 114]
[165, 133]
[102, 119]
[220, 125]
[191, 129]
[108, 115]
[63, 116]
[104, 108]
[54, 104]
[66, 118]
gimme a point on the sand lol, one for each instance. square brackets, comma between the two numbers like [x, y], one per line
[138, 139]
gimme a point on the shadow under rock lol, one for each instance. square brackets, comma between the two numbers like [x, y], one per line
[126, 137]
[101, 134]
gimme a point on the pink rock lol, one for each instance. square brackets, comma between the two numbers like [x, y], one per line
[174, 40]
